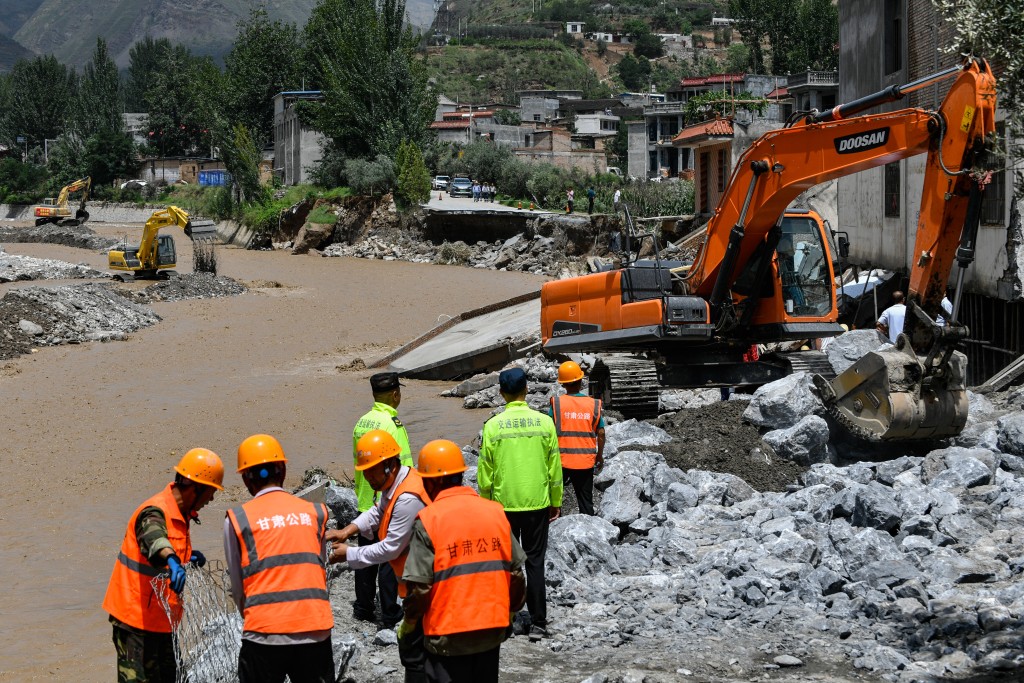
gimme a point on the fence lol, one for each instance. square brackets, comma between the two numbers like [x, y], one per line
[209, 635]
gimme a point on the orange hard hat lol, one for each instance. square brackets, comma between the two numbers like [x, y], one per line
[373, 447]
[569, 372]
[259, 449]
[439, 458]
[202, 466]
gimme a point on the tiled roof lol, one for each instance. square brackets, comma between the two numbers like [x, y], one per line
[778, 93]
[449, 124]
[702, 131]
[484, 114]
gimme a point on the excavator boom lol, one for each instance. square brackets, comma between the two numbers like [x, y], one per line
[155, 255]
[760, 277]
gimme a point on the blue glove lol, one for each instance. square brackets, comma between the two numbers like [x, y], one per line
[177, 574]
[198, 559]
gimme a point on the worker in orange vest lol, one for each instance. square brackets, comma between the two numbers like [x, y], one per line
[276, 553]
[464, 573]
[157, 541]
[390, 520]
[580, 426]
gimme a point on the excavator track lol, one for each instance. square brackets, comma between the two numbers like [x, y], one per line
[627, 384]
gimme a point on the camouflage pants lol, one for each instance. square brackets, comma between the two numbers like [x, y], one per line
[144, 657]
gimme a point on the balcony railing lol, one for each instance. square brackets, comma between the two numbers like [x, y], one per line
[813, 78]
[665, 108]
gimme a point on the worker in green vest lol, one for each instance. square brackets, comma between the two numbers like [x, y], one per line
[520, 467]
[387, 394]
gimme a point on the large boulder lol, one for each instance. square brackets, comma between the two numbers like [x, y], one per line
[633, 433]
[805, 443]
[637, 463]
[580, 545]
[621, 502]
[1011, 434]
[846, 349]
[343, 504]
[313, 236]
[783, 403]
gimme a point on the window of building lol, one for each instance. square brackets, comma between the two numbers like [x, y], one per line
[892, 190]
[893, 19]
[705, 167]
[993, 202]
[722, 167]
[536, 117]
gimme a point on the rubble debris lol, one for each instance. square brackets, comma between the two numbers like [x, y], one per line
[15, 267]
[70, 314]
[71, 236]
[538, 255]
[784, 402]
[194, 286]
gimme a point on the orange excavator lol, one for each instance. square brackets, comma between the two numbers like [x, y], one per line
[766, 273]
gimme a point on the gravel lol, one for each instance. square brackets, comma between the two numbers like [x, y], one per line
[72, 236]
[14, 267]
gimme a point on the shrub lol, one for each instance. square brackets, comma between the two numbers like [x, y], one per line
[370, 177]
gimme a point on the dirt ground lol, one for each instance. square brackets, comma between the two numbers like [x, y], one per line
[715, 438]
[89, 431]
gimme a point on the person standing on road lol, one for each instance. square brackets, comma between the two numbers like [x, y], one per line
[891, 321]
[275, 552]
[476, 190]
[391, 520]
[591, 194]
[387, 395]
[157, 541]
[617, 200]
[464, 573]
[570, 196]
[580, 427]
[520, 468]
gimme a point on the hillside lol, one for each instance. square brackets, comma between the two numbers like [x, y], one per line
[68, 28]
[14, 13]
[10, 52]
[495, 72]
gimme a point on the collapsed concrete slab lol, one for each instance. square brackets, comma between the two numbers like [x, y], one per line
[480, 340]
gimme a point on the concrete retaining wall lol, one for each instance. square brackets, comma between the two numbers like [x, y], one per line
[230, 232]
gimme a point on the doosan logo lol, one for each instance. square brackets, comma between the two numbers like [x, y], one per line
[862, 141]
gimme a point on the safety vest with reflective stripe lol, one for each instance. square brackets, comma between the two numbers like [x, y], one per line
[411, 484]
[283, 577]
[472, 563]
[576, 419]
[130, 598]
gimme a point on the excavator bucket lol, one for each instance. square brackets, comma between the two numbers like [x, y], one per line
[882, 397]
[81, 216]
[201, 230]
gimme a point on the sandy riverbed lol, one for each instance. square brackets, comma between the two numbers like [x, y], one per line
[90, 431]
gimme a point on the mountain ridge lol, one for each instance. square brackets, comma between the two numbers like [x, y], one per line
[68, 29]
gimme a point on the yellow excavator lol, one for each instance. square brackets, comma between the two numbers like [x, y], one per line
[155, 258]
[58, 212]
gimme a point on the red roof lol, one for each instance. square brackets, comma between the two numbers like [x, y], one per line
[450, 124]
[712, 80]
[703, 131]
[778, 93]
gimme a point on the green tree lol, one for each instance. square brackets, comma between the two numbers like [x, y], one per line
[507, 117]
[994, 29]
[179, 103]
[242, 158]
[374, 85]
[816, 45]
[366, 176]
[99, 104]
[109, 155]
[773, 21]
[634, 72]
[39, 100]
[645, 43]
[737, 58]
[145, 59]
[265, 59]
[413, 176]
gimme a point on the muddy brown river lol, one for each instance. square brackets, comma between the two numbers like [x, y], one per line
[90, 431]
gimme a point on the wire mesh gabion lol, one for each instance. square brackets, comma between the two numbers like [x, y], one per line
[208, 636]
